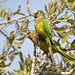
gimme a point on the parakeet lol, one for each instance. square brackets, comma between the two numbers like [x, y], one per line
[32, 36]
[42, 26]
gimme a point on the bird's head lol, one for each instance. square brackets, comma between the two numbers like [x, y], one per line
[30, 32]
[37, 13]
[32, 36]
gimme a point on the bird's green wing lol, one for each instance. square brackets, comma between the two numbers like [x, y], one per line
[48, 30]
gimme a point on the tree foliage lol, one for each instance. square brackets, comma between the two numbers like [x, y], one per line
[61, 17]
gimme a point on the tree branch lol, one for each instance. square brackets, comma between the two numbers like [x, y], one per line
[14, 20]
[64, 49]
[27, 4]
[7, 22]
[8, 39]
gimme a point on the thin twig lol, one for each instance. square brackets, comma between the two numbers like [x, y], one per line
[27, 4]
[8, 39]
[13, 21]
[64, 49]
[58, 21]
[25, 20]
[16, 19]
[58, 73]
[4, 34]
[68, 73]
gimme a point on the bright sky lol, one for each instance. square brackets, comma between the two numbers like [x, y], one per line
[27, 46]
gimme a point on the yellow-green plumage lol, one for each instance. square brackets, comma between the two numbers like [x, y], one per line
[41, 25]
[43, 35]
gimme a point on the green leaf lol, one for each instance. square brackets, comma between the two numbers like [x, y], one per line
[60, 34]
[64, 39]
[22, 26]
[4, 14]
[52, 10]
[11, 38]
[21, 57]
[8, 18]
[56, 1]
[25, 69]
[17, 12]
[19, 42]
[66, 16]
[72, 27]
[1, 61]
[11, 57]
[50, 4]
[6, 44]
[71, 21]
[7, 13]
[21, 38]
[73, 44]
[46, 9]
[67, 45]
[61, 2]
[16, 53]
[21, 66]
[0, 11]
[18, 45]
[61, 28]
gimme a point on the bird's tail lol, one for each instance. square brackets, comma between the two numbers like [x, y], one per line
[63, 53]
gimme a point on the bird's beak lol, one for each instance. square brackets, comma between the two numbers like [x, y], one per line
[27, 34]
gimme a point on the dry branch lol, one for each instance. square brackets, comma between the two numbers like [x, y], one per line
[14, 20]
[27, 4]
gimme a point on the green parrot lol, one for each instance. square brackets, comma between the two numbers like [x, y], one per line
[42, 26]
[31, 34]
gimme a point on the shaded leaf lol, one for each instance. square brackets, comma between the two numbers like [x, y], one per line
[6, 44]
[70, 21]
[8, 18]
[0, 11]
[21, 66]
[64, 39]
[19, 42]
[73, 44]
[61, 28]
[21, 57]
[66, 16]
[67, 45]
[7, 13]
[4, 14]
[11, 38]
[17, 12]
[11, 57]
[18, 46]
[46, 9]
[72, 27]
[60, 34]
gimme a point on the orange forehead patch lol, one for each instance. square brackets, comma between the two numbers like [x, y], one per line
[26, 32]
[35, 12]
